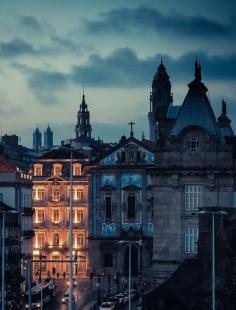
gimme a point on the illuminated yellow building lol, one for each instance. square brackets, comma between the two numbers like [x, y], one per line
[51, 201]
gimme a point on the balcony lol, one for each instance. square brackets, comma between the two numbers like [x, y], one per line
[55, 247]
[28, 234]
[77, 225]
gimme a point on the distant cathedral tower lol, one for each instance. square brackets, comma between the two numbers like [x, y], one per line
[37, 140]
[83, 128]
[160, 100]
[48, 138]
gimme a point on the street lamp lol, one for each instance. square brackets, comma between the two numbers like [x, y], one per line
[130, 242]
[213, 251]
[3, 260]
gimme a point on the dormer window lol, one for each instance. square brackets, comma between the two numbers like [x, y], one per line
[38, 170]
[76, 169]
[57, 169]
[193, 144]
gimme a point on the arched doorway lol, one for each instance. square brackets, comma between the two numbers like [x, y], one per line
[134, 261]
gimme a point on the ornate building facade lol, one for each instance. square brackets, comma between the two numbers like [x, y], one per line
[121, 208]
[194, 169]
[51, 199]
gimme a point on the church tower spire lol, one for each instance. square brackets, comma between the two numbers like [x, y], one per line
[83, 128]
[160, 100]
[37, 140]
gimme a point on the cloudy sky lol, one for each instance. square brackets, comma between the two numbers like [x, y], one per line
[48, 47]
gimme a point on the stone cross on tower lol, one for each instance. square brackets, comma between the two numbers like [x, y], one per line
[131, 128]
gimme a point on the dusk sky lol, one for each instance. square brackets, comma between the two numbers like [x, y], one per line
[47, 48]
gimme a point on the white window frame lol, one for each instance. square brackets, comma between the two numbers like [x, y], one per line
[193, 197]
[191, 240]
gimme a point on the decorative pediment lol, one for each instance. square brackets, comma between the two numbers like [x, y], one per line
[55, 179]
[133, 152]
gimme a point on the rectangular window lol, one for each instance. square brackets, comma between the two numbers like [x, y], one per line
[79, 193]
[73, 193]
[108, 207]
[234, 199]
[40, 240]
[56, 194]
[38, 170]
[56, 218]
[41, 194]
[55, 239]
[108, 260]
[77, 170]
[131, 207]
[57, 170]
[193, 197]
[80, 240]
[33, 193]
[40, 216]
[191, 239]
[80, 216]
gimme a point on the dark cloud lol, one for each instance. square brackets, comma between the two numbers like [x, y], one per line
[31, 22]
[145, 19]
[123, 68]
[20, 47]
[15, 47]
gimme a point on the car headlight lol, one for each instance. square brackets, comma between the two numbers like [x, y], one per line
[38, 305]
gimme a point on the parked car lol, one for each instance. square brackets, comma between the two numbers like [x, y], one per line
[122, 298]
[107, 306]
[74, 283]
[65, 298]
[116, 301]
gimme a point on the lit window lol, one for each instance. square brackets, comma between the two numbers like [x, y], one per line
[40, 216]
[80, 240]
[41, 194]
[193, 144]
[57, 169]
[76, 169]
[79, 193]
[80, 216]
[38, 170]
[40, 240]
[73, 193]
[193, 197]
[56, 194]
[56, 217]
[55, 239]
[191, 239]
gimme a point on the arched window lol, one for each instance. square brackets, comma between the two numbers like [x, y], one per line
[193, 144]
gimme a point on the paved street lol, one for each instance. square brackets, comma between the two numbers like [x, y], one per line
[83, 295]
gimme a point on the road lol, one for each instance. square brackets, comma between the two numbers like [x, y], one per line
[83, 293]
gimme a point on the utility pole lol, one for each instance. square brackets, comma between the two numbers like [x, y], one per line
[71, 235]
